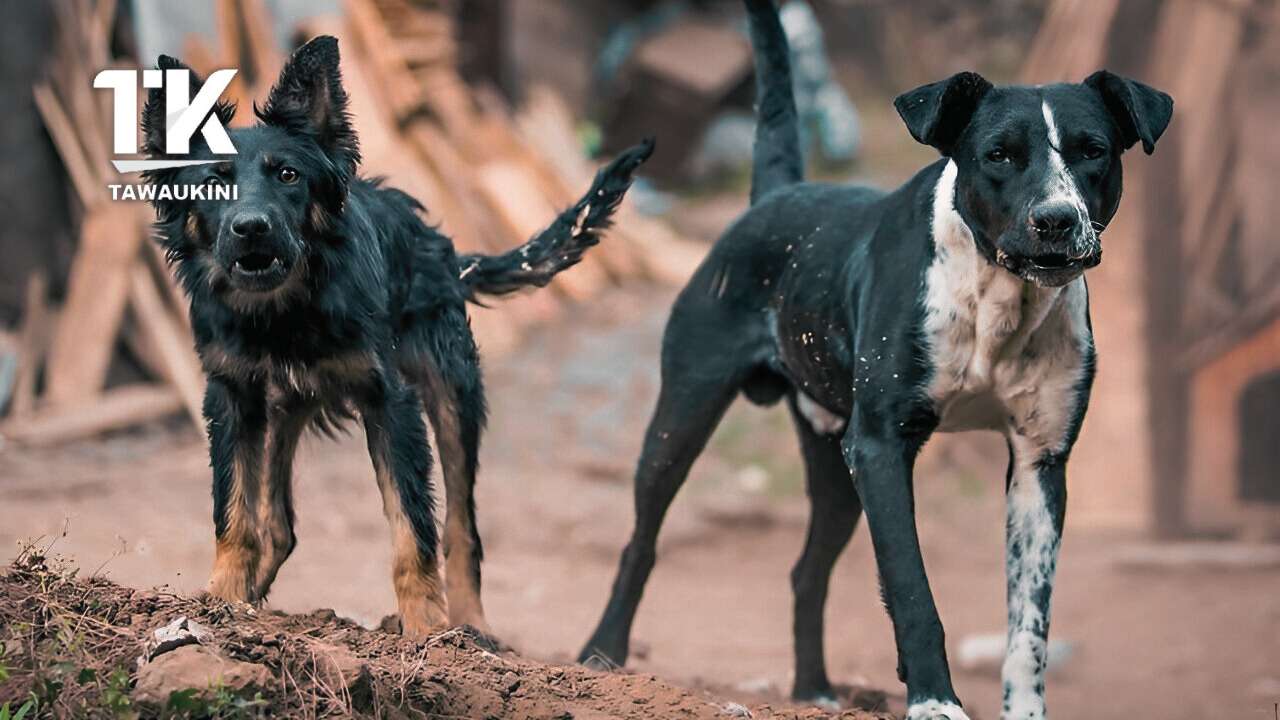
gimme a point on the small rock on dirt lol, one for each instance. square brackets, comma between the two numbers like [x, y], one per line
[510, 683]
[196, 667]
[339, 669]
[182, 631]
[734, 709]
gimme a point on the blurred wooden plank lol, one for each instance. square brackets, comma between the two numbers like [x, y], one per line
[1183, 556]
[67, 141]
[97, 290]
[1071, 41]
[401, 94]
[112, 410]
[169, 339]
[33, 343]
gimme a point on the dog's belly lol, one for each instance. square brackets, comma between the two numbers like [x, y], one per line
[973, 411]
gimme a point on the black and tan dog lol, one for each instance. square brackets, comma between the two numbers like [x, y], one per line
[955, 302]
[318, 295]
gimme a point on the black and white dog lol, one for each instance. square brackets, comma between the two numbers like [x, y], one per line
[956, 302]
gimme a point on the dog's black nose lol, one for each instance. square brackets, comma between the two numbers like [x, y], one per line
[250, 224]
[1053, 219]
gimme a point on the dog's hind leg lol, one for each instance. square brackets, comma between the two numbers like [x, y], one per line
[237, 421]
[834, 510]
[454, 397]
[402, 462]
[694, 396]
[287, 420]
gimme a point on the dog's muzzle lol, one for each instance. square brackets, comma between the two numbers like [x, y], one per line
[1051, 269]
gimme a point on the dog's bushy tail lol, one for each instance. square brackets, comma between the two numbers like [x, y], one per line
[777, 160]
[563, 244]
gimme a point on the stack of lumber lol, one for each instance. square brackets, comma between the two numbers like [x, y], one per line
[119, 293]
[489, 177]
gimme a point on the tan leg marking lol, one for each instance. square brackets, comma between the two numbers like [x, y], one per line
[416, 577]
[238, 551]
[459, 548]
[461, 582]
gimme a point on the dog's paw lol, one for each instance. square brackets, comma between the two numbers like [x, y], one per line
[824, 701]
[598, 661]
[416, 627]
[935, 710]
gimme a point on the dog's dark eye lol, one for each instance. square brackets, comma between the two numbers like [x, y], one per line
[998, 156]
[214, 180]
[1093, 151]
[288, 175]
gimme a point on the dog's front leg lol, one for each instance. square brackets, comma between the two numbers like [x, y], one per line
[237, 422]
[402, 462]
[1036, 506]
[881, 463]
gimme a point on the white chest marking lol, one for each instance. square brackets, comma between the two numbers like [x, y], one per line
[1007, 354]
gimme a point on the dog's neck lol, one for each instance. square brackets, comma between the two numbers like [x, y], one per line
[974, 304]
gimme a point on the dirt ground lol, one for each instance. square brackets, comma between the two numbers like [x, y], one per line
[568, 413]
[81, 641]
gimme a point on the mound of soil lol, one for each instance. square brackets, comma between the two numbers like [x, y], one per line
[86, 647]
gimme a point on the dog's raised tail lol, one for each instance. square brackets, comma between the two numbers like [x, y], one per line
[565, 241]
[776, 160]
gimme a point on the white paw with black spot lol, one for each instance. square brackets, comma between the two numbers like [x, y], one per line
[935, 710]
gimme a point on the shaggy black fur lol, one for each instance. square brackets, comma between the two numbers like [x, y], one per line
[318, 295]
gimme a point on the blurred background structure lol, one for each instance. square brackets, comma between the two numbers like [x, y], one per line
[494, 114]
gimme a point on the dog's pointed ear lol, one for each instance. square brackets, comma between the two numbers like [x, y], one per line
[1140, 111]
[153, 113]
[937, 113]
[309, 97]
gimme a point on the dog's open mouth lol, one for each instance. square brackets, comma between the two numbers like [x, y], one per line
[1048, 268]
[257, 264]
[1053, 261]
[259, 271]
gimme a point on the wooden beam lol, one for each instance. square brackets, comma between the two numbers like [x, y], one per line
[67, 141]
[169, 339]
[114, 409]
[33, 342]
[97, 290]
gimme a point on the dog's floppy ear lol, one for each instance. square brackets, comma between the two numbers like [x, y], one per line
[1140, 111]
[937, 113]
[153, 113]
[309, 98]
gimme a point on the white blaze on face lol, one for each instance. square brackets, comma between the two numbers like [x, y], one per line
[1060, 185]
